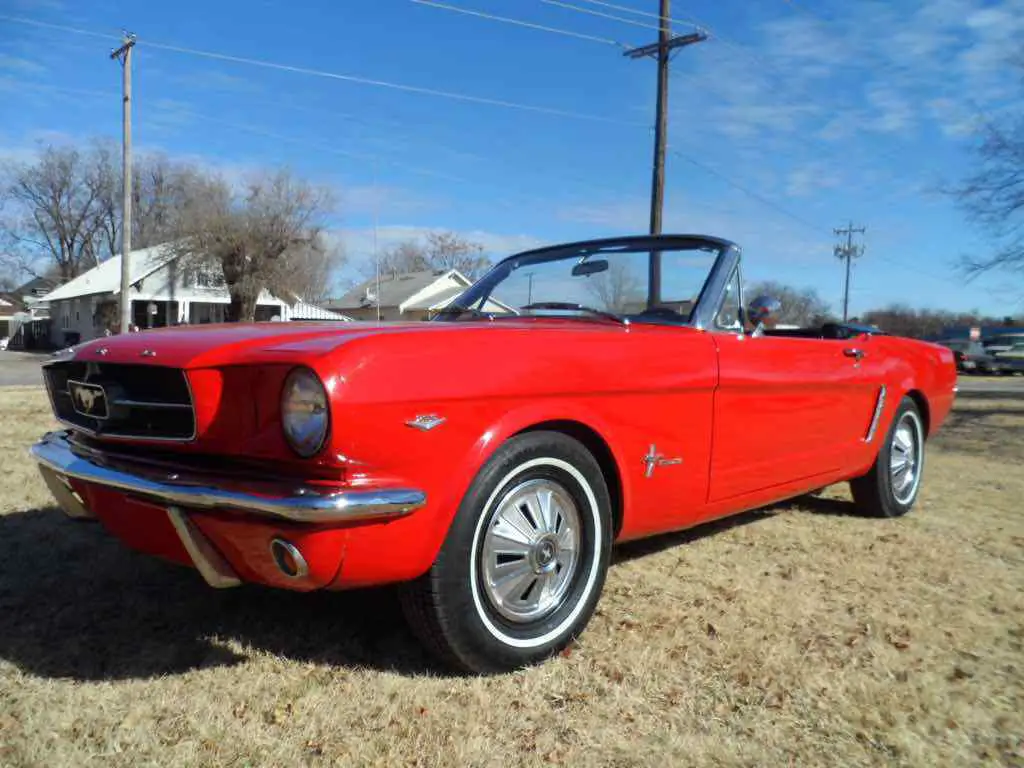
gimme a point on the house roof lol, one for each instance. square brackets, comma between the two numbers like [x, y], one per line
[303, 310]
[435, 300]
[37, 286]
[106, 278]
[395, 289]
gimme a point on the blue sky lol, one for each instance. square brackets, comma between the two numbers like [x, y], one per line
[795, 117]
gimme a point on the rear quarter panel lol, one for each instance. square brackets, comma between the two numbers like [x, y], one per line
[906, 366]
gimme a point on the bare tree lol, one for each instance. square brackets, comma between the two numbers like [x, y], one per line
[994, 198]
[8, 282]
[448, 250]
[161, 189]
[52, 212]
[617, 289]
[902, 320]
[312, 270]
[437, 251]
[401, 258]
[259, 235]
[802, 307]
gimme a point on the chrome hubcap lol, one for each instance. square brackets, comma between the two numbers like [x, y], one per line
[905, 459]
[531, 550]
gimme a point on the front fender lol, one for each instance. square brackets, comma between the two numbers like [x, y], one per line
[444, 461]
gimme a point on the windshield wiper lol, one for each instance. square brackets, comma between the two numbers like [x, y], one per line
[454, 310]
[578, 308]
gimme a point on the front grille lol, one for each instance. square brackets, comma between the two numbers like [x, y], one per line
[110, 399]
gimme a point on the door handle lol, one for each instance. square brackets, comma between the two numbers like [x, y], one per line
[854, 352]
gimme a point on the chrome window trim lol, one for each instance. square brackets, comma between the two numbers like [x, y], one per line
[718, 327]
[710, 300]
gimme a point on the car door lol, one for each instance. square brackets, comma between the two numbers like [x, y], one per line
[787, 408]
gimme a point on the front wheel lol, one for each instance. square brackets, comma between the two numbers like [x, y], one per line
[523, 565]
[890, 487]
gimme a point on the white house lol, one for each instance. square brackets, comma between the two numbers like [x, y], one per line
[163, 292]
[406, 296]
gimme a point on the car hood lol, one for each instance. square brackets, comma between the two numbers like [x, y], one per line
[234, 344]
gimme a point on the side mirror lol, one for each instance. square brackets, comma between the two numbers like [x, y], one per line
[760, 310]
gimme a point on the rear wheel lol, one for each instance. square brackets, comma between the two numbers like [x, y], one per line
[891, 486]
[523, 565]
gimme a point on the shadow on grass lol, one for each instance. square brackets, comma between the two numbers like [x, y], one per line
[633, 550]
[76, 603]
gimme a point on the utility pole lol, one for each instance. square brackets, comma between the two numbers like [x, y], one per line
[662, 50]
[848, 253]
[124, 55]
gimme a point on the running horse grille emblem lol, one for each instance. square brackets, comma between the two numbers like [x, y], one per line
[88, 399]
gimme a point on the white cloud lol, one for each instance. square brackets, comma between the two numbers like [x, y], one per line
[20, 66]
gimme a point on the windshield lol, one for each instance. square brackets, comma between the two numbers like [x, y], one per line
[596, 280]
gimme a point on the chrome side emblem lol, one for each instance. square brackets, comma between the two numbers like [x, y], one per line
[426, 421]
[102, 351]
[147, 353]
[653, 459]
[879, 405]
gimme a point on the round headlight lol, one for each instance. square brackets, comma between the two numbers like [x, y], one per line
[304, 412]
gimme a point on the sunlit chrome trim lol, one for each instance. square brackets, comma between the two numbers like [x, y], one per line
[879, 406]
[208, 561]
[155, 406]
[68, 500]
[703, 314]
[426, 421]
[301, 566]
[653, 459]
[276, 499]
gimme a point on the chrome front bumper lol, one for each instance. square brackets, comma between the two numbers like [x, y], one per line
[284, 501]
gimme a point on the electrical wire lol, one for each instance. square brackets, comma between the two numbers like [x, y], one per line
[648, 14]
[519, 23]
[423, 91]
[810, 225]
[599, 14]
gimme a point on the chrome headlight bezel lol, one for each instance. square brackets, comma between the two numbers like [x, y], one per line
[305, 412]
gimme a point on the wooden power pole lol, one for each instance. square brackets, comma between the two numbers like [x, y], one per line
[848, 253]
[124, 55]
[662, 50]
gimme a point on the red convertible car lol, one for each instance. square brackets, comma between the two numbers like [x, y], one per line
[486, 460]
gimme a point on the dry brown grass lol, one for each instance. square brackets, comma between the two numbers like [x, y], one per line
[800, 635]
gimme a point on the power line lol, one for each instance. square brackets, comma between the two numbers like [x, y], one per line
[387, 84]
[519, 23]
[599, 14]
[638, 12]
[62, 27]
[423, 91]
[750, 193]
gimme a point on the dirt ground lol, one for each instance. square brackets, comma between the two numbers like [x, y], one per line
[798, 635]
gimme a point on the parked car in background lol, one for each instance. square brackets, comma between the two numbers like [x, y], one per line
[972, 357]
[1002, 343]
[1011, 360]
[486, 461]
